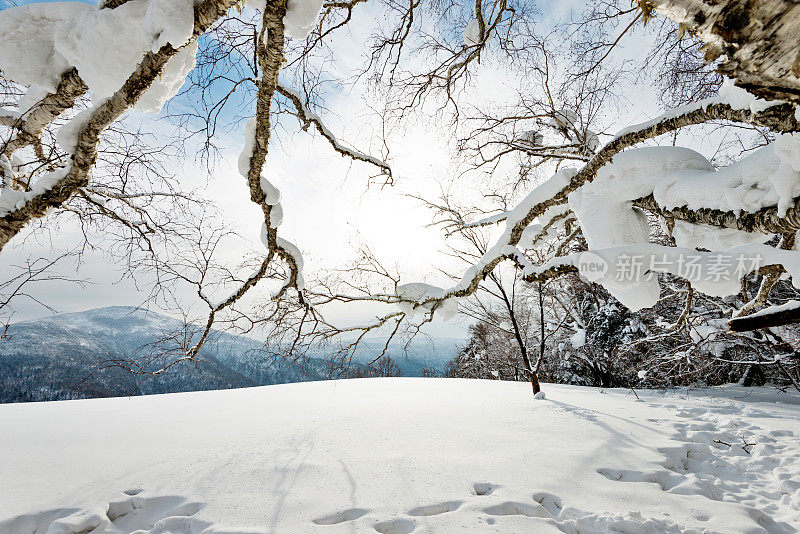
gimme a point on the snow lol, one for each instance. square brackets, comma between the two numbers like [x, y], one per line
[766, 177]
[419, 292]
[299, 99]
[578, 339]
[539, 194]
[592, 140]
[729, 94]
[690, 235]
[294, 252]
[27, 33]
[272, 193]
[629, 271]
[404, 455]
[679, 177]
[301, 16]
[12, 199]
[771, 310]
[249, 143]
[533, 232]
[492, 219]
[67, 135]
[564, 118]
[739, 98]
[170, 80]
[275, 216]
[88, 43]
[105, 45]
[32, 96]
[532, 137]
[272, 198]
[472, 33]
[501, 247]
[603, 206]
[676, 177]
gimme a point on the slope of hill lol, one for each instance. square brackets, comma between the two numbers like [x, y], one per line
[66, 357]
[404, 455]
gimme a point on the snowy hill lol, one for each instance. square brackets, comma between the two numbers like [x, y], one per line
[62, 357]
[401, 456]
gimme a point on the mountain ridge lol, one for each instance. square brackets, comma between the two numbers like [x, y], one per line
[79, 355]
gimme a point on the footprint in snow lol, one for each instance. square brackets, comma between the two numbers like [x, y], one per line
[484, 488]
[151, 515]
[169, 513]
[666, 480]
[396, 526]
[435, 509]
[350, 514]
[549, 502]
[519, 508]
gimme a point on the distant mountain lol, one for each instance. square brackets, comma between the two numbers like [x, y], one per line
[66, 357]
[421, 353]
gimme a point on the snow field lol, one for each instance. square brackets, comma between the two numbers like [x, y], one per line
[404, 455]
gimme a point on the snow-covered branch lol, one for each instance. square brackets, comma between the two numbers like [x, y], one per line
[53, 189]
[307, 117]
[786, 313]
[558, 189]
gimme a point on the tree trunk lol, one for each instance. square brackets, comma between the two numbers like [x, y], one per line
[766, 319]
[532, 373]
[535, 382]
[757, 39]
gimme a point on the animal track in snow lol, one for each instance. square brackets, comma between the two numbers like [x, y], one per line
[518, 508]
[487, 505]
[484, 488]
[724, 457]
[396, 526]
[435, 509]
[549, 502]
[664, 479]
[167, 514]
[350, 514]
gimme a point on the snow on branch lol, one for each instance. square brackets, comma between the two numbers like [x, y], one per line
[786, 313]
[270, 51]
[558, 189]
[28, 126]
[487, 221]
[729, 94]
[154, 56]
[308, 117]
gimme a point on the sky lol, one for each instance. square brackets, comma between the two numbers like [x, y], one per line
[329, 208]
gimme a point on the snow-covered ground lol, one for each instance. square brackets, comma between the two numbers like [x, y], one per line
[404, 455]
